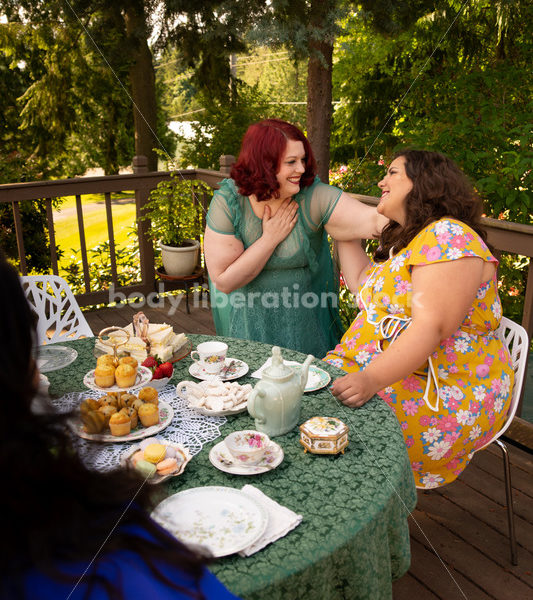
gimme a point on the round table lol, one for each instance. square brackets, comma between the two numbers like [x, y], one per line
[353, 539]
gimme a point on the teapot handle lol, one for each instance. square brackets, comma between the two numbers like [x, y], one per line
[255, 405]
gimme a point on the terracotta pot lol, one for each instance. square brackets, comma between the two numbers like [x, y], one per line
[179, 262]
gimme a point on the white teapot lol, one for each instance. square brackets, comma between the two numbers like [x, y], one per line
[276, 400]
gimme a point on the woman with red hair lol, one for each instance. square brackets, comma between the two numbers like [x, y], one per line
[266, 243]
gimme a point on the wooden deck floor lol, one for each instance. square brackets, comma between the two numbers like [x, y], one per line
[459, 539]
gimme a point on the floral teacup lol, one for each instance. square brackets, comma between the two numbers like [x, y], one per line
[211, 356]
[248, 446]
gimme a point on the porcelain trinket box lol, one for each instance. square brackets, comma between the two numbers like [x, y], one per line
[324, 435]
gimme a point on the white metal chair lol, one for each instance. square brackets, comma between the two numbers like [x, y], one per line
[56, 307]
[515, 338]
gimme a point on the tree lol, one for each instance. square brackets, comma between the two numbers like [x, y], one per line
[463, 97]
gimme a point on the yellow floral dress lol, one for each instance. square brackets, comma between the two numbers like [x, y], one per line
[458, 400]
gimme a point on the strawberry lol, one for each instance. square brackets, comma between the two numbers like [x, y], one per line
[149, 362]
[158, 373]
[167, 369]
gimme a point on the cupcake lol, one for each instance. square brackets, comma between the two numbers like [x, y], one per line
[136, 404]
[128, 360]
[148, 414]
[120, 424]
[108, 399]
[106, 360]
[132, 414]
[94, 421]
[104, 376]
[107, 410]
[88, 405]
[126, 400]
[149, 394]
[125, 376]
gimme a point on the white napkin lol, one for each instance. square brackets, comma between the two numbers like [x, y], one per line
[281, 520]
[258, 374]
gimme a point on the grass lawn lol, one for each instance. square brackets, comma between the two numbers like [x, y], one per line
[95, 224]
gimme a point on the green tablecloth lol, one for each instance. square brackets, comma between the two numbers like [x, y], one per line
[353, 540]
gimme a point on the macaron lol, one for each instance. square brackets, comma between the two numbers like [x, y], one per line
[167, 466]
[135, 458]
[145, 468]
[154, 453]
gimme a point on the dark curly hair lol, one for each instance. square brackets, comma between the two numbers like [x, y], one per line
[54, 510]
[440, 189]
[260, 157]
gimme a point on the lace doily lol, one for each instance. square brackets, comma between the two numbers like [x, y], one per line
[187, 427]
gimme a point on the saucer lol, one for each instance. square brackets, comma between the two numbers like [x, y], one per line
[238, 369]
[221, 458]
[316, 379]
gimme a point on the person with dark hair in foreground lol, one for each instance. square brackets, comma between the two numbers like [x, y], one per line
[425, 337]
[266, 243]
[68, 532]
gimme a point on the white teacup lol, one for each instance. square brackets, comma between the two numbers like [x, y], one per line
[211, 356]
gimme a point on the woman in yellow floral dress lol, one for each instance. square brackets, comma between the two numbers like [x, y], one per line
[425, 337]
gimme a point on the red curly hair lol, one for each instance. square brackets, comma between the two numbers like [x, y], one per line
[262, 149]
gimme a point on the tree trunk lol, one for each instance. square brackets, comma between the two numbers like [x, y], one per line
[319, 89]
[142, 79]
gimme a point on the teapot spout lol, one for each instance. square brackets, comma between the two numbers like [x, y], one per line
[305, 370]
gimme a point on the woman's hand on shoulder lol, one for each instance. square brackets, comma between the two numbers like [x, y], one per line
[277, 227]
[354, 389]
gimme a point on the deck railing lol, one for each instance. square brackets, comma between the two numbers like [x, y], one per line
[512, 238]
[140, 182]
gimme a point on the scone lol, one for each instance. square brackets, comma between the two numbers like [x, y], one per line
[125, 376]
[128, 360]
[148, 414]
[120, 424]
[149, 394]
[104, 376]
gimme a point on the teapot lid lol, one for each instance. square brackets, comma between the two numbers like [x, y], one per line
[278, 368]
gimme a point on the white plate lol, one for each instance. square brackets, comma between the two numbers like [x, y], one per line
[166, 414]
[238, 369]
[317, 378]
[52, 357]
[159, 478]
[223, 519]
[221, 458]
[144, 375]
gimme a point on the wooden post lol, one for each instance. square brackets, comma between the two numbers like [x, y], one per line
[146, 247]
[226, 160]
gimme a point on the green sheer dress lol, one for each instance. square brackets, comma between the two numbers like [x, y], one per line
[293, 302]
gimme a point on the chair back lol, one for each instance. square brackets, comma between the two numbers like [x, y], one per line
[56, 308]
[514, 336]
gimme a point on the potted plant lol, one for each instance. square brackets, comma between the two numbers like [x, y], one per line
[176, 222]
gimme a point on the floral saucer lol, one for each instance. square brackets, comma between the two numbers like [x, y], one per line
[233, 369]
[221, 458]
